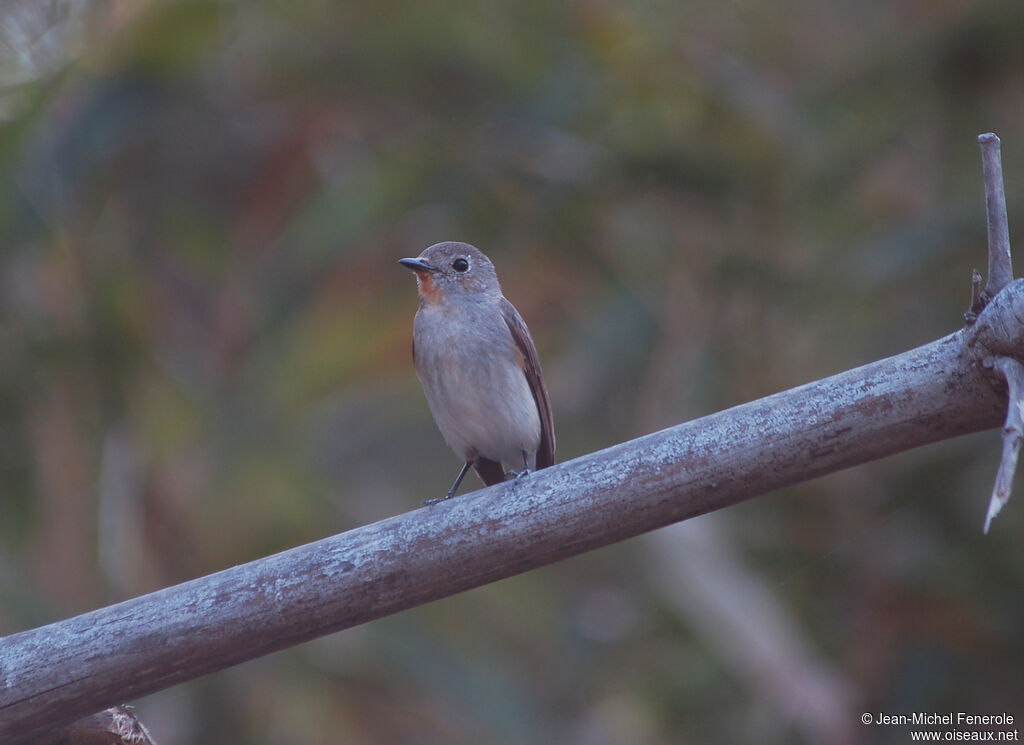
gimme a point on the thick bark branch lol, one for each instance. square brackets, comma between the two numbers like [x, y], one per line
[52, 675]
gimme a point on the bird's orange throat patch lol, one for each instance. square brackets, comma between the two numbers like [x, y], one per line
[429, 291]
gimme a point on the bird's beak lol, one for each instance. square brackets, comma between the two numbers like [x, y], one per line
[417, 265]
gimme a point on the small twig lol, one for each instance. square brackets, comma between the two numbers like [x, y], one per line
[1000, 268]
[977, 299]
[1013, 434]
[114, 726]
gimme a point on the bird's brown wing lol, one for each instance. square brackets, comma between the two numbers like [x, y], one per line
[531, 367]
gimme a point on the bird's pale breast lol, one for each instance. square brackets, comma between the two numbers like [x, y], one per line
[474, 383]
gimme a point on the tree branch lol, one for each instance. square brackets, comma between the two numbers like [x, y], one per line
[52, 675]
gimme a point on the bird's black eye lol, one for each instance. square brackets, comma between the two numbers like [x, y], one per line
[460, 265]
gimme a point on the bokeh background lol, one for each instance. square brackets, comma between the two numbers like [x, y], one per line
[204, 341]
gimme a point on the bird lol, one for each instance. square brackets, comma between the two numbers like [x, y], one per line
[478, 366]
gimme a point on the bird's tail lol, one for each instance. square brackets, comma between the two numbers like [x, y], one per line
[489, 471]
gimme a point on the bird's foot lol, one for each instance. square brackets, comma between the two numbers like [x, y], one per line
[517, 475]
[437, 500]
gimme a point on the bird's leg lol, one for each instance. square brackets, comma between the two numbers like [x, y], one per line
[451, 492]
[458, 479]
[526, 468]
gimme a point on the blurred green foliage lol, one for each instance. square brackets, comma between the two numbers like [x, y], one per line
[204, 336]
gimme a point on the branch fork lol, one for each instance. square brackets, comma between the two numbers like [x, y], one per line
[1000, 275]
